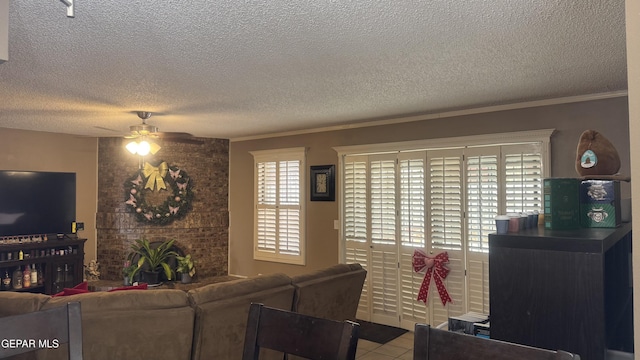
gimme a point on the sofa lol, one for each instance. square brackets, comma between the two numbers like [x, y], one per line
[204, 323]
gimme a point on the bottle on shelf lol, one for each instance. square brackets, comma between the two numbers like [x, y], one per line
[17, 278]
[20, 255]
[58, 284]
[40, 275]
[34, 275]
[26, 277]
[68, 275]
[6, 280]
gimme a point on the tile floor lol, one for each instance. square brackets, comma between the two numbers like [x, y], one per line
[398, 348]
[401, 348]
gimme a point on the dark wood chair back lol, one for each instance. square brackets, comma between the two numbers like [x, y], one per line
[435, 344]
[297, 334]
[47, 329]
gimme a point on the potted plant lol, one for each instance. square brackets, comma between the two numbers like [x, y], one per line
[128, 272]
[186, 268]
[153, 259]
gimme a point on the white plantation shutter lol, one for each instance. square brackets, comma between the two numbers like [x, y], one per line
[383, 200]
[267, 230]
[446, 197]
[523, 177]
[355, 198]
[412, 234]
[359, 253]
[478, 283]
[289, 208]
[455, 284]
[384, 248]
[410, 281]
[267, 215]
[482, 196]
[412, 201]
[355, 224]
[279, 234]
[384, 281]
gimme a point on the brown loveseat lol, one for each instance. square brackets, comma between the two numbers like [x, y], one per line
[205, 323]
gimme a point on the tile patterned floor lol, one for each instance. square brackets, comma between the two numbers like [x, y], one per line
[398, 348]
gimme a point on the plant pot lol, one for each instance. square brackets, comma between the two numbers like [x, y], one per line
[127, 281]
[151, 277]
[186, 278]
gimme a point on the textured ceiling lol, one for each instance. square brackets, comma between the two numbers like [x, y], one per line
[231, 68]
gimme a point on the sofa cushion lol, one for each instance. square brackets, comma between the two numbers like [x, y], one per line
[222, 310]
[231, 289]
[16, 303]
[150, 324]
[332, 270]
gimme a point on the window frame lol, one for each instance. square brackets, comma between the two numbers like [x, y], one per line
[277, 156]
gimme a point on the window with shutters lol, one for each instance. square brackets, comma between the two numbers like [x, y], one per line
[279, 211]
[440, 195]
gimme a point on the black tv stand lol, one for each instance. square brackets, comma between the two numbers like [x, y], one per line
[66, 236]
[66, 255]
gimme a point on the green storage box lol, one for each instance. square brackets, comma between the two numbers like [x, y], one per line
[600, 204]
[561, 203]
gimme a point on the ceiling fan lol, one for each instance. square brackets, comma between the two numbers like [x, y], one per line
[147, 130]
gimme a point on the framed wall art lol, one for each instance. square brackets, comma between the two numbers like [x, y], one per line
[323, 184]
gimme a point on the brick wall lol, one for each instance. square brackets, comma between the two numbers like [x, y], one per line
[203, 232]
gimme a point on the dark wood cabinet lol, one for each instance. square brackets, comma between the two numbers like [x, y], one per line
[563, 290]
[61, 263]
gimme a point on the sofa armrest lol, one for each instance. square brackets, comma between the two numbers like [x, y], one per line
[335, 296]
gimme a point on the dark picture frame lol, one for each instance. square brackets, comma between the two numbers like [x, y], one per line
[323, 184]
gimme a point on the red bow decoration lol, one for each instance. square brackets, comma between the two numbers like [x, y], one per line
[421, 261]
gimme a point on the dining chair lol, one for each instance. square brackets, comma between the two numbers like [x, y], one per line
[46, 329]
[297, 334]
[436, 344]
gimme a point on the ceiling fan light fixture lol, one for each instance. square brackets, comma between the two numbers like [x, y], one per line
[154, 148]
[132, 147]
[143, 129]
[142, 148]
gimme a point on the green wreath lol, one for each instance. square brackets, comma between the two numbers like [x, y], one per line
[161, 177]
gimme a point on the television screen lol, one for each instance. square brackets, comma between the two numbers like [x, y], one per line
[33, 203]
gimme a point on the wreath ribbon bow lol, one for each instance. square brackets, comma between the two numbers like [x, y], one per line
[435, 268]
[155, 175]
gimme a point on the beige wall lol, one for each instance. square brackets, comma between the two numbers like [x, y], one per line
[609, 116]
[40, 151]
[633, 79]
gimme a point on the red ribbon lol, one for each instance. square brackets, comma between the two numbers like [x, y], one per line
[421, 261]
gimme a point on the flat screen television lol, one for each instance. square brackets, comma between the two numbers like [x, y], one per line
[33, 202]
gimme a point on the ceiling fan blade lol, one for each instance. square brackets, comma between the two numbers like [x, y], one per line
[151, 131]
[173, 135]
[107, 129]
[192, 141]
[179, 137]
